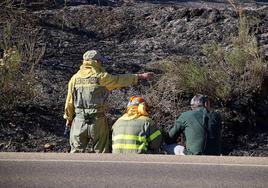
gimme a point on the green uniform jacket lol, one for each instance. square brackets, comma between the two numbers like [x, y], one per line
[193, 125]
[136, 136]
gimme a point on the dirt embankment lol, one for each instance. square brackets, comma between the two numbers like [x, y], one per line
[132, 37]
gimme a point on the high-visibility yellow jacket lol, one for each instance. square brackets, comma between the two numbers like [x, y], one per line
[88, 88]
[138, 135]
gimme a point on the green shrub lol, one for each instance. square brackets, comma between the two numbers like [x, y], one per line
[190, 77]
[16, 85]
[21, 54]
[228, 72]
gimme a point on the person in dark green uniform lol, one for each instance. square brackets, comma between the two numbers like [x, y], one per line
[86, 102]
[213, 144]
[195, 125]
[135, 132]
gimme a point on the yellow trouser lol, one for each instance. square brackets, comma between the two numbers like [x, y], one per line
[82, 131]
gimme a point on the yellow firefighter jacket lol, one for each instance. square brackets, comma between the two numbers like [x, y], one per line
[91, 74]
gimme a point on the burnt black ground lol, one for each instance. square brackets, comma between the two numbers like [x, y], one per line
[133, 37]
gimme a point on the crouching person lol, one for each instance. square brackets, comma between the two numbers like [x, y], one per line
[135, 132]
[200, 130]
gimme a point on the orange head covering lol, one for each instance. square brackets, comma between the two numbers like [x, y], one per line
[136, 107]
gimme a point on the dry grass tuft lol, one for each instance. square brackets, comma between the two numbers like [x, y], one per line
[22, 52]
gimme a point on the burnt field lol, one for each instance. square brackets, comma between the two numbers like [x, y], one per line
[135, 37]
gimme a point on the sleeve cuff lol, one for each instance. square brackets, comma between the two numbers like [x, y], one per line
[136, 78]
[67, 118]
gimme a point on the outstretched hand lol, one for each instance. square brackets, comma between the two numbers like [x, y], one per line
[146, 75]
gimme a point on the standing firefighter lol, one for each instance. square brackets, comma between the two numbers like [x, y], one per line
[135, 132]
[86, 102]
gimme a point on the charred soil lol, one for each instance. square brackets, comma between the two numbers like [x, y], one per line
[132, 36]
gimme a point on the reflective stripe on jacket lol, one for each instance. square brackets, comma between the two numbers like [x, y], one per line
[135, 136]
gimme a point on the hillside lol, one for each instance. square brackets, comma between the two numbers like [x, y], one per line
[133, 36]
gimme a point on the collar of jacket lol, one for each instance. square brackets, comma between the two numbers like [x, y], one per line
[90, 67]
[134, 114]
[201, 108]
[129, 116]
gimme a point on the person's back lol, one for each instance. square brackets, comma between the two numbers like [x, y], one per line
[192, 125]
[200, 129]
[213, 143]
[89, 104]
[135, 134]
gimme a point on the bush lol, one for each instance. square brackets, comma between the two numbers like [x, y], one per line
[228, 72]
[189, 76]
[21, 54]
[245, 63]
[230, 75]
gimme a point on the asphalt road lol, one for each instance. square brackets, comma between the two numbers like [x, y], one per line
[116, 171]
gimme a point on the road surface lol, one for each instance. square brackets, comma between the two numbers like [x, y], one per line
[65, 170]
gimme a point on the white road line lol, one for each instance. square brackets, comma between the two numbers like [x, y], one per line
[133, 162]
